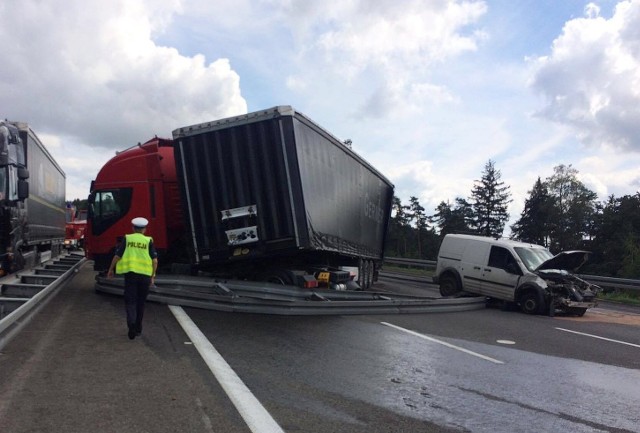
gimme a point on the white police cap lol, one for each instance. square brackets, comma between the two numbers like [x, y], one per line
[140, 222]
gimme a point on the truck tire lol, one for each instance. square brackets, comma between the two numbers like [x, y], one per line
[370, 268]
[531, 302]
[365, 274]
[280, 277]
[449, 285]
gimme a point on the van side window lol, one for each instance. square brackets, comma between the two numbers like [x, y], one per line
[500, 258]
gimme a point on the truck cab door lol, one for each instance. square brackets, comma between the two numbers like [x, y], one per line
[500, 275]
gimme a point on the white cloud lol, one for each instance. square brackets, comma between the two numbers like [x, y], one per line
[591, 79]
[87, 74]
[90, 70]
[388, 48]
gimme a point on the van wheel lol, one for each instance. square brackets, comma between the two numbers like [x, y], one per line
[530, 303]
[449, 286]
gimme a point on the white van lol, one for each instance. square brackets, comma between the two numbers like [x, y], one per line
[525, 274]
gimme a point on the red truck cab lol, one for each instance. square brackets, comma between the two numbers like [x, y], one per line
[137, 182]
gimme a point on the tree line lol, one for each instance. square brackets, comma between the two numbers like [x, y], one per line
[560, 213]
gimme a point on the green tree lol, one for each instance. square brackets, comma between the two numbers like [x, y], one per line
[573, 210]
[631, 259]
[420, 220]
[535, 219]
[616, 232]
[399, 228]
[490, 199]
[450, 219]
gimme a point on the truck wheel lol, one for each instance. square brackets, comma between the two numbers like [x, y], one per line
[449, 286]
[369, 274]
[281, 277]
[530, 303]
[365, 274]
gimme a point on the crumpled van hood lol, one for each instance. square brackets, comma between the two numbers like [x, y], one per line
[566, 260]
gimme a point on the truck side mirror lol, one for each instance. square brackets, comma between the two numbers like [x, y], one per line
[23, 190]
[23, 173]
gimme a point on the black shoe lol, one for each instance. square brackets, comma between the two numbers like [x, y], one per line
[138, 330]
[132, 334]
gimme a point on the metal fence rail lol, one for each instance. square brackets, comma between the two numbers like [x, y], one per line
[605, 282]
[265, 298]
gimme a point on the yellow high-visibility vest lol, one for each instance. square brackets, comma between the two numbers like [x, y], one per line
[136, 256]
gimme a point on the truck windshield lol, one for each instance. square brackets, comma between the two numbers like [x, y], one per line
[533, 257]
[107, 207]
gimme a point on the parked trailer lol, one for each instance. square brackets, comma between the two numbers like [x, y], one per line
[267, 196]
[32, 194]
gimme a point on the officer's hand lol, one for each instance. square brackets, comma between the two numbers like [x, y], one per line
[110, 274]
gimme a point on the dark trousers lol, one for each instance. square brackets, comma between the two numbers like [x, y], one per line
[136, 289]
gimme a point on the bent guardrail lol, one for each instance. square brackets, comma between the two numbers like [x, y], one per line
[265, 298]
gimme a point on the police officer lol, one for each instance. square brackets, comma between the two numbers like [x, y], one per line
[137, 259]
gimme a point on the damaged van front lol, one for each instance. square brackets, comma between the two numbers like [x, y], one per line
[555, 278]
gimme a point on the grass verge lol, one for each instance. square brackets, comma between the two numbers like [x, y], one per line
[623, 296]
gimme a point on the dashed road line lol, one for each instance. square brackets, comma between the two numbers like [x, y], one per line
[599, 338]
[444, 343]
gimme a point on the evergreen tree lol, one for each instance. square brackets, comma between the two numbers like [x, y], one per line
[573, 210]
[490, 199]
[453, 220]
[420, 219]
[535, 219]
[631, 259]
[399, 228]
[616, 228]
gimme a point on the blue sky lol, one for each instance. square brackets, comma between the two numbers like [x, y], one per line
[427, 90]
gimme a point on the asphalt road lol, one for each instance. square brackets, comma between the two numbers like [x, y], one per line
[74, 370]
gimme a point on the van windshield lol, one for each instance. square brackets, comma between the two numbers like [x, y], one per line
[533, 257]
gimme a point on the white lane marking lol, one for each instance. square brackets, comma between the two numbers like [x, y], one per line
[598, 337]
[444, 343]
[251, 410]
[505, 342]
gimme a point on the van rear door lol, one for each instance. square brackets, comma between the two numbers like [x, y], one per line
[500, 275]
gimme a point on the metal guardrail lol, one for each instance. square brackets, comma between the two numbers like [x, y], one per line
[416, 263]
[22, 295]
[605, 282]
[265, 298]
